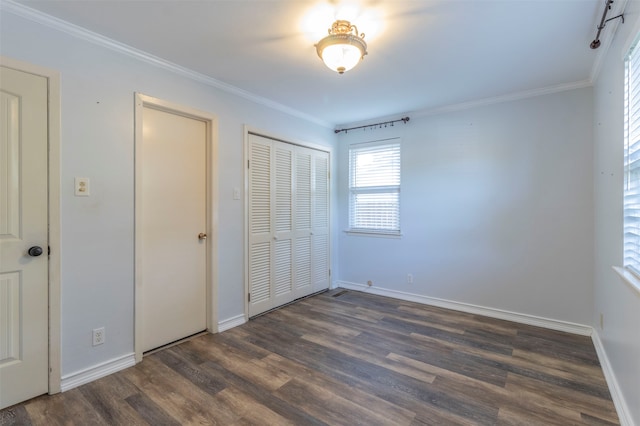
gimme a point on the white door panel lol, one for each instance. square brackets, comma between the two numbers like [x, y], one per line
[23, 224]
[173, 214]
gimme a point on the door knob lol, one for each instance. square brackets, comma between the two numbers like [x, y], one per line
[35, 251]
[202, 236]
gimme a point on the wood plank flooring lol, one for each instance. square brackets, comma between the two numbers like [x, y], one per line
[349, 358]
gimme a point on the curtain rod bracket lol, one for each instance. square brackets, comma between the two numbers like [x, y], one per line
[607, 7]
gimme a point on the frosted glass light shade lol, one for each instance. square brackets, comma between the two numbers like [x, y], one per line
[341, 57]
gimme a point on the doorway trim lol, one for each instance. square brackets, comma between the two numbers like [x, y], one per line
[211, 121]
[53, 128]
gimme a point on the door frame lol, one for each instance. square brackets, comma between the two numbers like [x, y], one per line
[53, 184]
[211, 121]
[328, 149]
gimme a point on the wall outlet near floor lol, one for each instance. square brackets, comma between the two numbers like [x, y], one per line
[410, 278]
[369, 283]
[98, 336]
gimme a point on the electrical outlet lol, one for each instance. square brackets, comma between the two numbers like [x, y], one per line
[410, 278]
[82, 187]
[98, 336]
[369, 283]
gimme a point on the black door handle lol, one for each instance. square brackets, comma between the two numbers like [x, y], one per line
[35, 251]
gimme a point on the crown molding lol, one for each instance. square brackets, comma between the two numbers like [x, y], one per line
[480, 102]
[100, 40]
[505, 98]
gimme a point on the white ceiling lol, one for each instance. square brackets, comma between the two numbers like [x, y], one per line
[423, 55]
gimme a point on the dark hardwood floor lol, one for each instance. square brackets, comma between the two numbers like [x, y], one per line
[349, 358]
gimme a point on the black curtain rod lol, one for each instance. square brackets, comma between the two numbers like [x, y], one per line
[373, 126]
[607, 7]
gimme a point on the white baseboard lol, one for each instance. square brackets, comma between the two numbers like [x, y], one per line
[90, 374]
[568, 327]
[82, 377]
[614, 387]
[229, 323]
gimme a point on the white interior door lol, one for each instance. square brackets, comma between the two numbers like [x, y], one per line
[172, 241]
[23, 224]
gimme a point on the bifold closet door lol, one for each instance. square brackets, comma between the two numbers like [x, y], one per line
[282, 258]
[270, 224]
[287, 260]
[260, 224]
[311, 221]
[320, 222]
[303, 222]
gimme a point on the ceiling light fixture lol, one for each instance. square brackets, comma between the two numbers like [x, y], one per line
[343, 48]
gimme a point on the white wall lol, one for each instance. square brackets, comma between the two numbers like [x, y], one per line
[496, 208]
[614, 299]
[97, 137]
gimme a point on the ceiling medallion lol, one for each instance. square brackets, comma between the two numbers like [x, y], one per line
[343, 48]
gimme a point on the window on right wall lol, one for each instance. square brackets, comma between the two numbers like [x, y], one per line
[374, 187]
[632, 161]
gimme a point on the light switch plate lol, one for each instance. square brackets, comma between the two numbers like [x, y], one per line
[82, 187]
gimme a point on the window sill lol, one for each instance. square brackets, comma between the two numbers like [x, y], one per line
[628, 277]
[363, 233]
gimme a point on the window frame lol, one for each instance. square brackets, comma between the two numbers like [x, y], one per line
[390, 188]
[629, 272]
[631, 164]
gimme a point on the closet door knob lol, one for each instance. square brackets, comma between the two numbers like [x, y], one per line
[202, 236]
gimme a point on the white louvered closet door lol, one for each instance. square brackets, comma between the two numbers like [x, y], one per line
[282, 288]
[320, 223]
[302, 221]
[260, 230]
[288, 223]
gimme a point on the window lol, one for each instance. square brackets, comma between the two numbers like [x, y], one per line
[632, 161]
[374, 187]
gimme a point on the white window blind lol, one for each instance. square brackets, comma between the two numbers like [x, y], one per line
[632, 161]
[374, 187]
